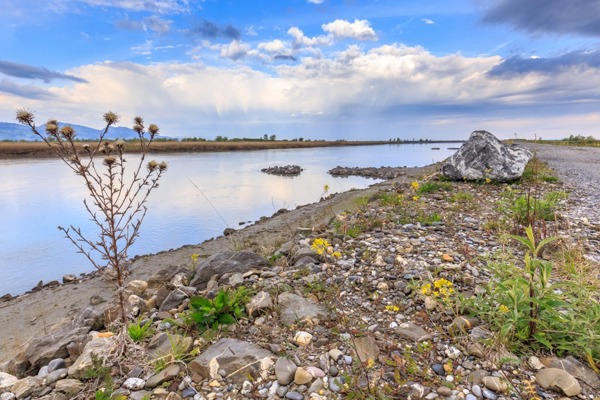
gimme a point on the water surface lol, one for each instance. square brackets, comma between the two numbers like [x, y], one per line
[36, 196]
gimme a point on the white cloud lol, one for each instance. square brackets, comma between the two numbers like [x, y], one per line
[235, 50]
[274, 46]
[159, 6]
[315, 1]
[300, 40]
[143, 49]
[342, 29]
[427, 21]
[157, 24]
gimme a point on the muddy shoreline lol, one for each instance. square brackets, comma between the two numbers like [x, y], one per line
[33, 313]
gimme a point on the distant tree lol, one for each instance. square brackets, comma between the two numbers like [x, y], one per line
[301, 139]
[265, 137]
[220, 138]
[272, 138]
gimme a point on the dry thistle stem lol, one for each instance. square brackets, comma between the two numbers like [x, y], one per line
[116, 196]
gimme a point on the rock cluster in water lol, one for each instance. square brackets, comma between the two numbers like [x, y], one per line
[283, 170]
[319, 326]
[368, 172]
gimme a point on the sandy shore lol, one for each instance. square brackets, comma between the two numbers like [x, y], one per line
[32, 314]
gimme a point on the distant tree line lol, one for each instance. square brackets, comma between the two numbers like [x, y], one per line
[579, 139]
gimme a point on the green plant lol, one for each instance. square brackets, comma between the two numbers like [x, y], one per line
[116, 200]
[428, 187]
[138, 331]
[179, 352]
[461, 197]
[226, 308]
[528, 209]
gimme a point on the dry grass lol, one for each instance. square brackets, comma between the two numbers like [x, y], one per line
[39, 149]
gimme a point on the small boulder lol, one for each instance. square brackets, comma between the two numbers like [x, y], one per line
[294, 308]
[559, 380]
[228, 262]
[484, 156]
[96, 349]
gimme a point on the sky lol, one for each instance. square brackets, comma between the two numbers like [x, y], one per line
[317, 69]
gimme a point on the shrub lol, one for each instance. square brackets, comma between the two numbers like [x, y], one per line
[225, 309]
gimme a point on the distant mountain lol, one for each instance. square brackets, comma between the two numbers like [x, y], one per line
[11, 131]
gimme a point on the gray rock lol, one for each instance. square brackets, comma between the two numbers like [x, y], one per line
[494, 383]
[366, 348]
[575, 368]
[237, 357]
[99, 347]
[10, 396]
[165, 275]
[6, 381]
[285, 370]
[259, 303]
[163, 344]
[294, 396]
[27, 386]
[412, 331]
[57, 363]
[484, 156]
[173, 300]
[558, 379]
[222, 263]
[294, 308]
[55, 376]
[165, 375]
[134, 383]
[70, 387]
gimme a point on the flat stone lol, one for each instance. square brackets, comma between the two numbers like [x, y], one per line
[137, 287]
[285, 371]
[228, 262]
[173, 300]
[366, 348]
[575, 368]
[303, 338]
[134, 383]
[412, 331]
[27, 386]
[70, 387]
[99, 347]
[259, 303]
[294, 308]
[558, 379]
[55, 375]
[165, 375]
[494, 383]
[302, 377]
[162, 345]
[238, 358]
[6, 381]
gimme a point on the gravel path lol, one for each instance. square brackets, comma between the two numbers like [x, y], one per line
[579, 169]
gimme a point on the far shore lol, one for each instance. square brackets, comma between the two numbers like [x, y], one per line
[40, 149]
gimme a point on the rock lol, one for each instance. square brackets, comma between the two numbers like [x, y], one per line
[173, 300]
[134, 384]
[366, 348]
[575, 368]
[368, 172]
[294, 308]
[462, 324]
[163, 344]
[26, 387]
[44, 349]
[238, 358]
[165, 375]
[70, 387]
[302, 377]
[494, 383]
[316, 386]
[57, 363]
[558, 379]
[303, 338]
[484, 156]
[165, 275]
[260, 302]
[69, 278]
[535, 363]
[99, 347]
[6, 381]
[228, 262]
[285, 371]
[413, 332]
[55, 376]
[284, 170]
[137, 287]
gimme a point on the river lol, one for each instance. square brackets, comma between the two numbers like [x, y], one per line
[200, 195]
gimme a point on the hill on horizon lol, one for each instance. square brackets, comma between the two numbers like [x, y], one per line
[16, 132]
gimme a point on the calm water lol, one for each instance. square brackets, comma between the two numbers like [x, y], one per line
[36, 196]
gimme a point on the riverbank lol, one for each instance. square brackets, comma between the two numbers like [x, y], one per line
[376, 328]
[39, 149]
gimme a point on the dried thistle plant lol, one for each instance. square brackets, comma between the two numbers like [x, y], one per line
[116, 199]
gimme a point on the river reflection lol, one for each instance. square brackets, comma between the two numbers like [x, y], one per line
[36, 196]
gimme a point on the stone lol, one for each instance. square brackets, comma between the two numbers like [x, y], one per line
[165, 275]
[29, 386]
[316, 386]
[163, 344]
[494, 383]
[558, 379]
[302, 377]
[137, 287]
[41, 350]
[303, 338]
[238, 358]
[476, 349]
[100, 348]
[575, 368]
[285, 371]
[315, 372]
[57, 363]
[412, 331]
[294, 309]
[483, 156]
[6, 381]
[259, 303]
[335, 354]
[228, 262]
[69, 278]
[167, 374]
[55, 376]
[294, 396]
[462, 324]
[70, 387]
[366, 348]
[173, 300]
[134, 383]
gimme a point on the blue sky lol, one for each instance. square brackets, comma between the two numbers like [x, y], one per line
[331, 69]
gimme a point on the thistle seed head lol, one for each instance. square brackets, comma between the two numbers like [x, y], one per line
[138, 120]
[153, 129]
[162, 166]
[152, 165]
[109, 160]
[111, 118]
[67, 132]
[138, 128]
[52, 127]
[25, 117]
[120, 144]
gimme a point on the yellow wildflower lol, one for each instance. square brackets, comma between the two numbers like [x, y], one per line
[426, 289]
[415, 198]
[320, 245]
[488, 180]
[415, 185]
[194, 258]
[392, 308]
[503, 309]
